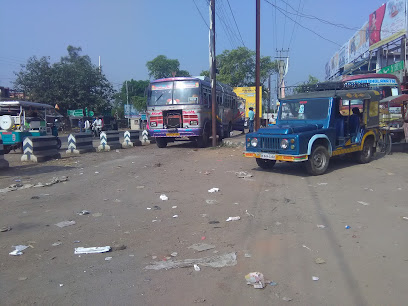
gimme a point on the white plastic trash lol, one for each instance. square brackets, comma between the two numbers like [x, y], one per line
[233, 218]
[92, 250]
[163, 197]
[215, 189]
[197, 268]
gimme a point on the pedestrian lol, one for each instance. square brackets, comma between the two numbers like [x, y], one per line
[272, 120]
[80, 125]
[87, 125]
[251, 116]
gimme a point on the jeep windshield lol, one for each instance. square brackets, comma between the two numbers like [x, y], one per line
[304, 109]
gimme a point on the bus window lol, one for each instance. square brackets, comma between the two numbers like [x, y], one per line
[186, 92]
[159, 93]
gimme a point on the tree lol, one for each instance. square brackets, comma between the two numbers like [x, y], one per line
[237, 67]
[72, 83]
[305, 85]
[136, 91]
[163, 67]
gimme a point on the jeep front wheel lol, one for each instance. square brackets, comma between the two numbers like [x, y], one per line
[318, 161]
[265, 163]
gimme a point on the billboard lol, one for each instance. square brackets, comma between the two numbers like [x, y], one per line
[387, 23]
[358, 44]
[248, 93]
[131, 111]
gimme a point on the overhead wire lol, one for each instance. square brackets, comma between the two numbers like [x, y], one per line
[224, 23]
[202, 17]
[310, 30]
[236, 23]
[284, 30]
[294, 25]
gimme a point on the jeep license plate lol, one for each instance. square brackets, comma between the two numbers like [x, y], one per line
[173, 134]
[268, 156]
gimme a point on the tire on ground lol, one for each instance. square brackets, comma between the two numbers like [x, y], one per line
[161, 142]
[318, 161]
[265, 163]
[366, 154]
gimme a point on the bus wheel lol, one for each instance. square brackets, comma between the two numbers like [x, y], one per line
[161, 142]
[227, 133]
[265, 163]
[366, 154]
[202, 141]
[318, 161]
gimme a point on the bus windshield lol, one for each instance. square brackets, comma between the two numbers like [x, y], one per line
[178, 92]
[304, 109]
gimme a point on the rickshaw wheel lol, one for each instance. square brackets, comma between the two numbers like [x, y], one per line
[366, 154]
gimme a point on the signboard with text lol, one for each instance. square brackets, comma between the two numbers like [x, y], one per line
[248, 93]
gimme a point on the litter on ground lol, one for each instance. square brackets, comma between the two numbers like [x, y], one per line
[363, 203]
[163, 197]
[65, 223]
[200, 247]
[92, 250]
[255, 279]
[233, 218]
[197, 268]
[18, 250]
[215, 189]
[220, 261]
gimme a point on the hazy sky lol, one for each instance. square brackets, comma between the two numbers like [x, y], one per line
[127, 34]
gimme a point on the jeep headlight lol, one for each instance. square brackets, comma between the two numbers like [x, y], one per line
[284, 143]
[254, 142]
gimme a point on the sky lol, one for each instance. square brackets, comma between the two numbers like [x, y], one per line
[126, 34]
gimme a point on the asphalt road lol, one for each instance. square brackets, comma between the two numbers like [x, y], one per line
[280, 209]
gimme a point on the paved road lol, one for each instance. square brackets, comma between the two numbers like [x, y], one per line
[279, 209]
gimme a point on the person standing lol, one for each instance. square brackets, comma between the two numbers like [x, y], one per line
[80, 125]
[87, 125]
[251, 116]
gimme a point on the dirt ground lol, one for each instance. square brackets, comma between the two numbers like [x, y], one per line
[277, 235]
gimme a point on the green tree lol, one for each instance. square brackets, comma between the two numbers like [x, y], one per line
[137, 96]
[305, 86]
[237, 67]
[163, 67]
[72, 83]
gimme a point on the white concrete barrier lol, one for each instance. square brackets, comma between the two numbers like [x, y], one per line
[39, 149]
[131, 138]
[80, 143]
[109, 141]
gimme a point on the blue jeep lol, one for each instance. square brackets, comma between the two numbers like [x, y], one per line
[312, 127]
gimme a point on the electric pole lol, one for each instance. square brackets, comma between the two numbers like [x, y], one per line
[213, 75]
[257, 64]
[127, 103]
[283, 61]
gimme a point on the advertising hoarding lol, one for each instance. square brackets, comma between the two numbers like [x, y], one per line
[248, 93]
[387, 23]
[358, 44]
[131, 111]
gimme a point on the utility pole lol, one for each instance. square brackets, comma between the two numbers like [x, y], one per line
[257, 64]
[283, 61]
[213, 75]
[269, 94]
[127, 103]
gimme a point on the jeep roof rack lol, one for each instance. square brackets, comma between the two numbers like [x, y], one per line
[323, 86]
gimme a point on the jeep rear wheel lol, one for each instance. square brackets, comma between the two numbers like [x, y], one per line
[318, 161]
[265, 163]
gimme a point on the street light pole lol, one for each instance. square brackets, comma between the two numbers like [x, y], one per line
[213, 76]
[257, 64]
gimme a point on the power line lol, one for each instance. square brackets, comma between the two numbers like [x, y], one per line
[280, 10]
[236, 23]
[284, 29]
[230, 34]
[294, 25]
[201, 14]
